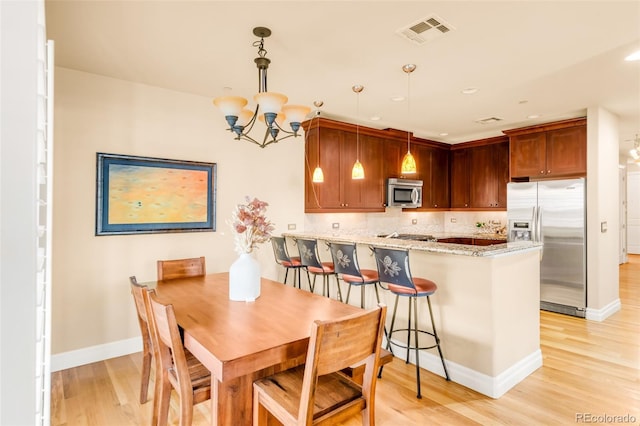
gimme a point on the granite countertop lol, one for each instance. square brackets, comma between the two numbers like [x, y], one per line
[429, 246]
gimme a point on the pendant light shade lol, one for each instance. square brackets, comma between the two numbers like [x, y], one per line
[408, 166]
[357, 172]
[318, 176]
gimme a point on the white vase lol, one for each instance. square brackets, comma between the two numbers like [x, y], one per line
[244, 279]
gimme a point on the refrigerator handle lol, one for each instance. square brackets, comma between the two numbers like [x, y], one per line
[539, 231]
[534, 221]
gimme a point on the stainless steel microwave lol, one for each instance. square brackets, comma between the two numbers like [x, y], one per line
[405, 193]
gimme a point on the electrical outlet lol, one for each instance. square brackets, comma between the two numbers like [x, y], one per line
[414, 221]
[454, 220]
[291, 227]
[603, 227]
[335, 225]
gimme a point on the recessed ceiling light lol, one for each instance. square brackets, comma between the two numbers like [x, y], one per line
[533, 116]
[469, 91]
[524, 101]
[635, 56]
[375, 118]
[397, 98]
[444, 134]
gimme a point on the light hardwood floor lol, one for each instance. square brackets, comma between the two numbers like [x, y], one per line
[590, 368]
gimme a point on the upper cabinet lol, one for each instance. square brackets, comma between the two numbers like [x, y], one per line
[432, 163]
[334, 146]
[479, 174]
[551, 150]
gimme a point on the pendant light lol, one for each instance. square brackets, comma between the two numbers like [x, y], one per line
[318, 176]
[358, 171]
[408, 166]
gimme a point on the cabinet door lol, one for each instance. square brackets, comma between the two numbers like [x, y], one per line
[483, 188]
[567, 151]
[528, 155]
[392, 154]
[372, 187]
[328, 194]
[350, 189]
[501, 158]
[460, 178]
[439, 180]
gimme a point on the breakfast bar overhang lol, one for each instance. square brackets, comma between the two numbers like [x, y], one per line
[487, 307]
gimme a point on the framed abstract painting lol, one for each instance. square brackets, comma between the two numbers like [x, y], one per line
[137, 195]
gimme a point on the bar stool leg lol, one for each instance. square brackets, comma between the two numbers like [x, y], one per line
[415, 320]
[408, 330]
[435, 335]
[339, 288]
[286, 274]
[393, 320]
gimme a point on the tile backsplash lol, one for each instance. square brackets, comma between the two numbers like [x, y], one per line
[395, 220]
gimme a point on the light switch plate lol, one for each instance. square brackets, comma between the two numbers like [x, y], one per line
[291, 227]
[603, 227]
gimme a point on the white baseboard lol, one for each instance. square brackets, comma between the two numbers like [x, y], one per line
[604, 313]
[493, 387]
[83, 356]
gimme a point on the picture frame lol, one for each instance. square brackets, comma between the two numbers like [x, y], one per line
[144, 195]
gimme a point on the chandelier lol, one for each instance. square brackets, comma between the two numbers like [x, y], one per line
[270, 106]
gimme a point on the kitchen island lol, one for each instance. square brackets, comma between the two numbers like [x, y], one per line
[486, 308]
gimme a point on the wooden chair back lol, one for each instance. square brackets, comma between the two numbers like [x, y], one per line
[137, 291]
[177, 368]
[180, 268]
[318, 392]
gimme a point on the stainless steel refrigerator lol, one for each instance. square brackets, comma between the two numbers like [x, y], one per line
[554, 213]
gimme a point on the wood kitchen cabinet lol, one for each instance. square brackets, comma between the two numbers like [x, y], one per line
[432, 165]
[550, 150]
[336, 153]
[479, 175]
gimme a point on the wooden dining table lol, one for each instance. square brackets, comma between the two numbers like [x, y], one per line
[240, 342]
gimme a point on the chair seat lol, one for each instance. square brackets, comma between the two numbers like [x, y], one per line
[369, 276]
[423, 286]
[294, 263]
[333, 391]
[327, 268]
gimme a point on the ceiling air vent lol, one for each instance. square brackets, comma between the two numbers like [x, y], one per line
[489, 120]
[425, 29]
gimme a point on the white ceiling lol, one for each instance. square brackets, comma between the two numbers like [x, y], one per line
[551, 58]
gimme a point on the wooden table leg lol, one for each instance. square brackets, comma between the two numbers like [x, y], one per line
[232, 401]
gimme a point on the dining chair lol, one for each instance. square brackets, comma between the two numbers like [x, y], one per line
[393, 269]
[147, 349]
[316, 392]
[176, 368]
[345, 263]
[310, 259]
[282, 258]
[180, 268]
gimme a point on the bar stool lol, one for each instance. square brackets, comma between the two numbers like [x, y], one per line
[310, 259]
[282, 258]
[345, 263]
[393, 269]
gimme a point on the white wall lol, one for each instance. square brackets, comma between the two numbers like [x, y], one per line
[18, 96]
[92, 304]
[602, 206]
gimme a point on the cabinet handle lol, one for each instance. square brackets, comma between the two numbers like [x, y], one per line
[435, 205]
[541, 172]
[548, 171]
